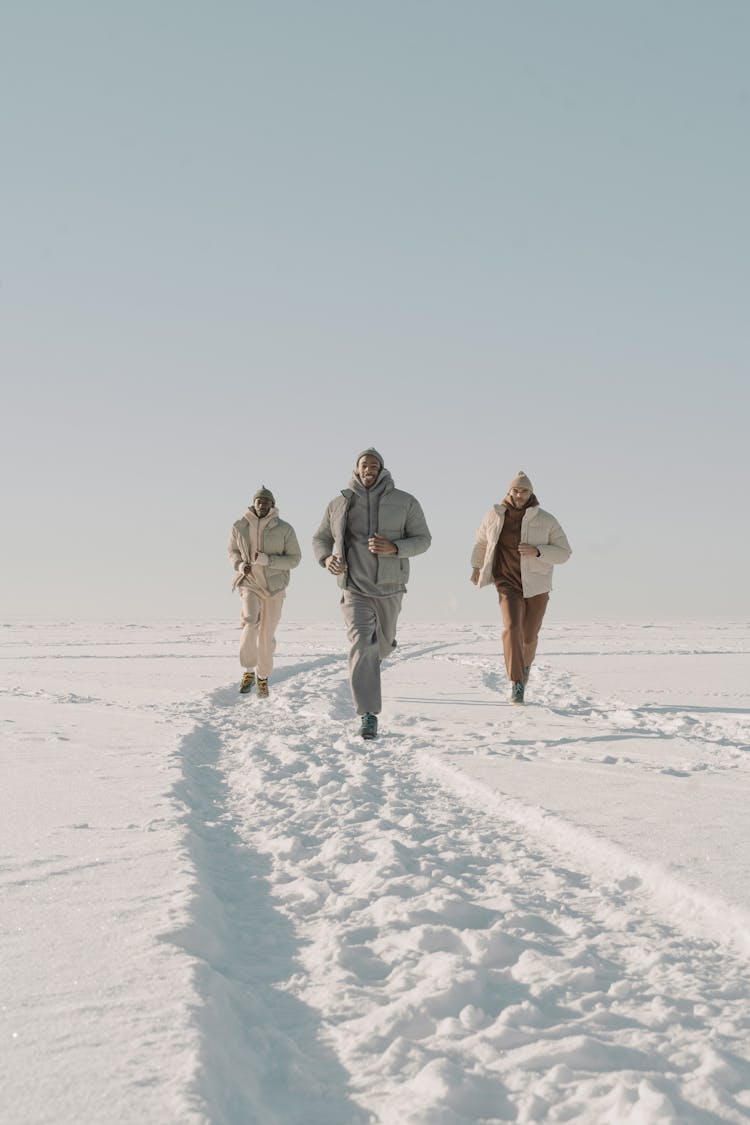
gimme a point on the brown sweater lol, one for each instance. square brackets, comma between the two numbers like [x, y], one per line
[506, 567]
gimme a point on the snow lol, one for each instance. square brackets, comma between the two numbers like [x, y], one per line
[218, 909]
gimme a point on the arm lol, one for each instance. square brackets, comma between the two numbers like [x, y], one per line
[480, 546]
[234, 553]
[323, 539]
[291, 556]
[417, 536]
[558, 550]
[478, 552]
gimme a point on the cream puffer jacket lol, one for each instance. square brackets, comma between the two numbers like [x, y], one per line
[278, 544]
[541, 530]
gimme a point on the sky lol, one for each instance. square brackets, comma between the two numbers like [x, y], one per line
[242, 242]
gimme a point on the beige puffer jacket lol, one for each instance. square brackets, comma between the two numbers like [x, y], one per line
[541, 530]
[278, 543]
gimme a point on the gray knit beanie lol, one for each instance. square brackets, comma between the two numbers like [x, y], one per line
[369, 453]
[520, 480]
[265, 493]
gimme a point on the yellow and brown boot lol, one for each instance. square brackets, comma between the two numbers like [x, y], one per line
[262, 688]
[248, 682]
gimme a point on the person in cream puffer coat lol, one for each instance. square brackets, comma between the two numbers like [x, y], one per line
[264, 550]
[517, 546]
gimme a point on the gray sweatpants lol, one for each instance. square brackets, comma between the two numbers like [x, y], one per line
[371, 628]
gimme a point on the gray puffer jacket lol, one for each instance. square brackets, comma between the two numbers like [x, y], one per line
[399, 518]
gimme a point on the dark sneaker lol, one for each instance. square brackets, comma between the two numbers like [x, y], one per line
[248, 682]
[369, 728]
[516, 693]
[262, 688]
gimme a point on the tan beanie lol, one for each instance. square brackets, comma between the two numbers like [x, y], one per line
[520, 480]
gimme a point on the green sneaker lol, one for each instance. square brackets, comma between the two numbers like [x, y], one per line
[516, 693]
[369, 728]
[248, 683]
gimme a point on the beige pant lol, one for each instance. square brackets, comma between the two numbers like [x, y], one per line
[260, 617]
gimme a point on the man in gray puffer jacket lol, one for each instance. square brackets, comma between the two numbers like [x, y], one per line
[366, 538]
[263, 550]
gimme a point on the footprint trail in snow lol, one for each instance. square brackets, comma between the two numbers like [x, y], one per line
[460, 968]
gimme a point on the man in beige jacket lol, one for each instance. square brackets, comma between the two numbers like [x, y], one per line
[517, 546]
[263, 550]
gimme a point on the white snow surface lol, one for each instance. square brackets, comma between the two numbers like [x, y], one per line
[227, 910]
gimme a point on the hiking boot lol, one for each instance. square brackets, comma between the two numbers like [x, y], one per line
[516, 693]
[262, 688]
[369, 727]
[248, 682]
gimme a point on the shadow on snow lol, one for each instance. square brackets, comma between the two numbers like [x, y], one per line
[262, 1058]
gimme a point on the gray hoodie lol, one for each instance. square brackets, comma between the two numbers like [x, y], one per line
[358, 512]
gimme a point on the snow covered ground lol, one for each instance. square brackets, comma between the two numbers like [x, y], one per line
[218, 909]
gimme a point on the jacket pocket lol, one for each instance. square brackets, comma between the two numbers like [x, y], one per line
[539, 566]
[392, 570]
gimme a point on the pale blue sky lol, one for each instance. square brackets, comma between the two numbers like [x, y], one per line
[242, 241]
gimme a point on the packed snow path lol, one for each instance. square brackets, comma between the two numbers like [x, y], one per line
[383, 939]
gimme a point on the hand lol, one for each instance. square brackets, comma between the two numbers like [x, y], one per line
[380, 546]
[246, 568]
[527, 550]
[475, 576]
[335, 564]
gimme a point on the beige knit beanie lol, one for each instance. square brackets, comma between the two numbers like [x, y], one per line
[520, 480]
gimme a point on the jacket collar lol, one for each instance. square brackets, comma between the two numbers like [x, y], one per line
[500, 511]
[270, 520]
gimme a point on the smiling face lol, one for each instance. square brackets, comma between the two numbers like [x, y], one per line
[368, 470]
[262, 506]
[519, 496]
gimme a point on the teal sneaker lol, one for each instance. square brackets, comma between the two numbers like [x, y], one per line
[369, 728]
[516, 693]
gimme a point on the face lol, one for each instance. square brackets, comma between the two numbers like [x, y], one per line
[262, 506]
[519, 496]
[368, 470]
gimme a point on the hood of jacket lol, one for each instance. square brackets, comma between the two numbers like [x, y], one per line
[261, 522]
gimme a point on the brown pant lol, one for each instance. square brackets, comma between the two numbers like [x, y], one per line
[522, 620]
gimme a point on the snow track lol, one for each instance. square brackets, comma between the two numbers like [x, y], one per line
[379, 940]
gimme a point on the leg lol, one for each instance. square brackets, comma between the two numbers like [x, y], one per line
[270, 615]
[364, 654]
[532, 623]
[512, 610]
[250, 618]
[387, 611]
